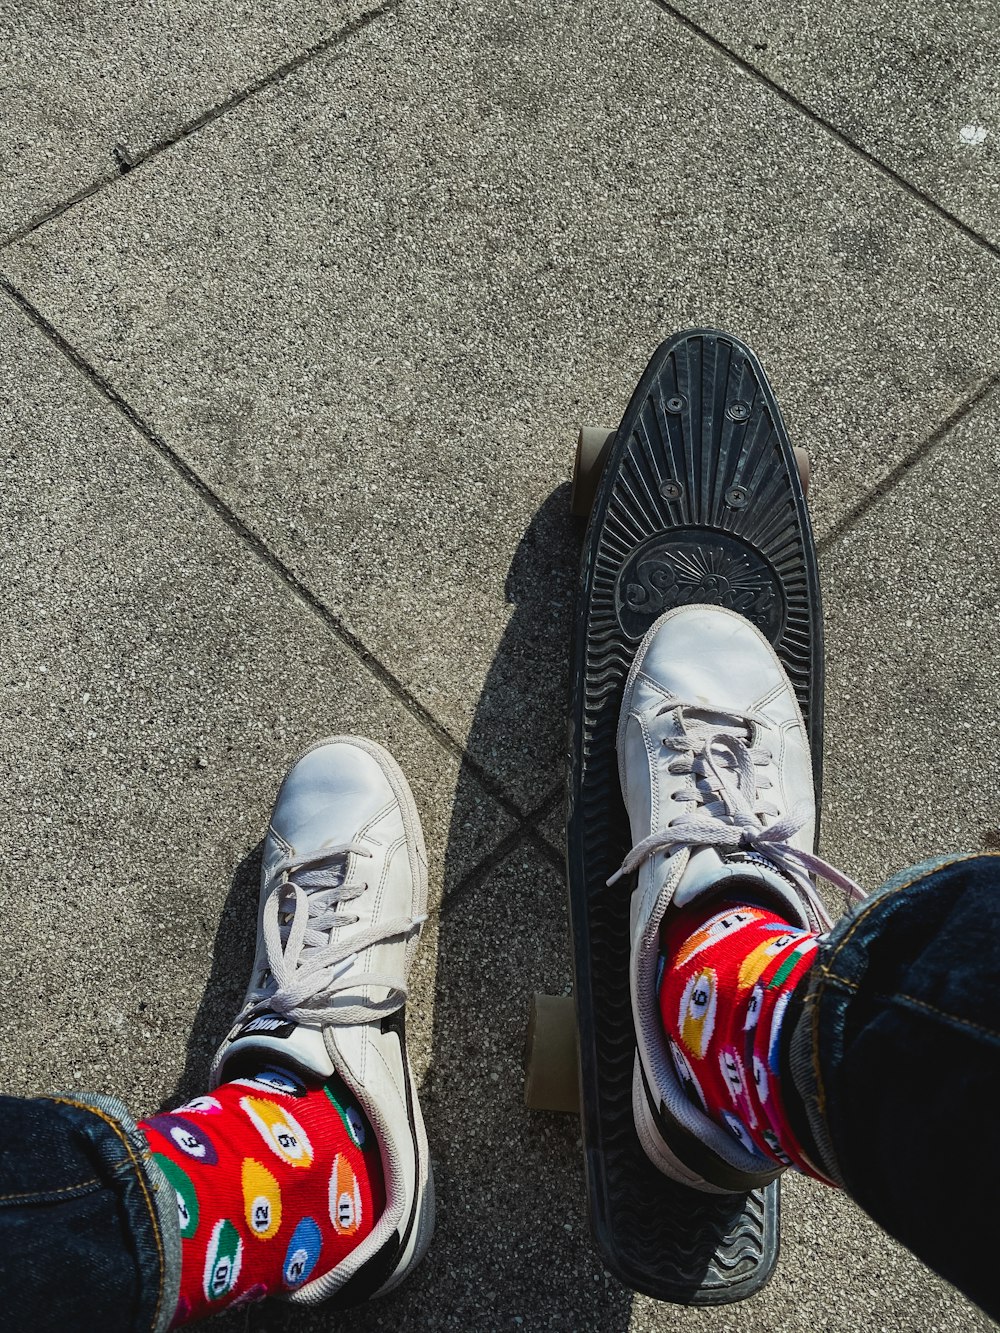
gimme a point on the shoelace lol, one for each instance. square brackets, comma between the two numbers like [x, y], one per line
[308, 967]
[725, 766]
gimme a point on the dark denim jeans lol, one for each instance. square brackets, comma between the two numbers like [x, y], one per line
[89, 1237]
[896, 1054]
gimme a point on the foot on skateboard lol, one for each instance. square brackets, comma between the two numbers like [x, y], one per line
[698, 498]
[715, 772]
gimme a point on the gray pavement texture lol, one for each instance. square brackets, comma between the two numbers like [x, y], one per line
[301, 306]
[92, 89]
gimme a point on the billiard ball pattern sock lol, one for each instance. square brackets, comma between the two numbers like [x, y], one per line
[725, 982]
[277, 1181]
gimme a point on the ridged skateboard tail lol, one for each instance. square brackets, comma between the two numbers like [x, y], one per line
[699, 499]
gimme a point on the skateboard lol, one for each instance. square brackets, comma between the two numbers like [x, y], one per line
[698, 496]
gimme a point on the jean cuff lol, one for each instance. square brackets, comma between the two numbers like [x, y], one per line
[156, 1226]
[803, 1051]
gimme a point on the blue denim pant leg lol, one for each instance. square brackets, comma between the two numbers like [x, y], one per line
[89, 1234]
[897, 1057]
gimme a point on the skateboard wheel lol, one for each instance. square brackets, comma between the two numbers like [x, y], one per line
[592, 449]
[552, 1082]
[805, 468]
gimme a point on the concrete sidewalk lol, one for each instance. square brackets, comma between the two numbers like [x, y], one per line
[301, 307]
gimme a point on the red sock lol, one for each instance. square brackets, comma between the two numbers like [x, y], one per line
[276, 1183]
[724, 988]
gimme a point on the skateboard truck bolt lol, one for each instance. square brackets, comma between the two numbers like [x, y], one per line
[737, 496]
[671, 490]
[738, 411]
[675, 404]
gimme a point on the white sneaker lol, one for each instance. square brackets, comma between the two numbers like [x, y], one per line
[716, 775]
[342, 896]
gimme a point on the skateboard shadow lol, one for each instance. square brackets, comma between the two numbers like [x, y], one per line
[512, 1248]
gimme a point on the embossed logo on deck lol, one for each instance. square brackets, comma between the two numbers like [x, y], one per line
[691, 565]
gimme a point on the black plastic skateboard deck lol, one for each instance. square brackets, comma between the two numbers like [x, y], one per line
[700, 500]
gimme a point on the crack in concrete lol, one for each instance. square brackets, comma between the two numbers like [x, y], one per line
[804, 109]
[302, 592]
[527, 832]
[126, 162]
[888, 484]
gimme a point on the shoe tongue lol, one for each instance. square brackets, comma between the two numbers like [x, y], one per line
[706, 715]
[742, 871]
[274, 1037]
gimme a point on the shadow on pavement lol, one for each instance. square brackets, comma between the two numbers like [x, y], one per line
[232, 959]
[512, 1248]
